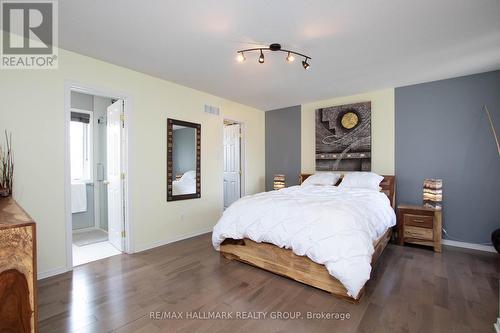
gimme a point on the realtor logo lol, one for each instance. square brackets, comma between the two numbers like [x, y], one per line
[29, 34]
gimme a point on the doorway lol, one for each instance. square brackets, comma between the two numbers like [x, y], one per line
[233, 161]
[96, 146]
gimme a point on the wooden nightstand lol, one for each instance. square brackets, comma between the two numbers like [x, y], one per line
[419, 225]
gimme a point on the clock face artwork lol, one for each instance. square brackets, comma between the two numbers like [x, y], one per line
[349, 120]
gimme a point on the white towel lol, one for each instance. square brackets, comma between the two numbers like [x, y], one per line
[78, 197]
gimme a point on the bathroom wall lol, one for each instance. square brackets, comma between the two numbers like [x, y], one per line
[82, 101]
[84, 219]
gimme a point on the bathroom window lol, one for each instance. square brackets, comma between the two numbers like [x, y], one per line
[81, 145]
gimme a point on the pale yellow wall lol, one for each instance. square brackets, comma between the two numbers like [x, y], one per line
[382, 102]
[32, 107]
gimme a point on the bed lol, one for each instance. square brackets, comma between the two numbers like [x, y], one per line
[304, 265]
[185, 184]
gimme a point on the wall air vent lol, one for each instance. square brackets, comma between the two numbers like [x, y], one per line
[212, 110]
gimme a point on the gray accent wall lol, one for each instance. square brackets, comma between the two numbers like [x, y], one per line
[443, 132]
[184, 152]
[283, 145]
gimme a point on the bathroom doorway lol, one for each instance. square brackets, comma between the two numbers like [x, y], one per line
[97, 163]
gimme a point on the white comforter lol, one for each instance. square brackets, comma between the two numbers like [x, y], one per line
[333, 226]
[184, 186]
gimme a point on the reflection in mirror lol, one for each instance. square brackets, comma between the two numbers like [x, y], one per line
[184, 160]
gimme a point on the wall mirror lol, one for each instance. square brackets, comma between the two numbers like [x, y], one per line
[183, 160]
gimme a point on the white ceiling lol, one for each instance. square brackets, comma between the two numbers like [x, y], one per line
[355, 46]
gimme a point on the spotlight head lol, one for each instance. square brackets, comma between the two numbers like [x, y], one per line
[305, 64]
[290, 57]
[261, 57]
[240, 57]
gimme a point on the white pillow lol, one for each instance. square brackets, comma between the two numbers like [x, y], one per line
[191, 174]
[367, 180]
[322, 178]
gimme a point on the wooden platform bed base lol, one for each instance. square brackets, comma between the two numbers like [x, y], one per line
[286, 263]
[300, 268]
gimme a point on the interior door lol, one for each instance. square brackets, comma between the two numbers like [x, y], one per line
[114, 171]
[232, 168]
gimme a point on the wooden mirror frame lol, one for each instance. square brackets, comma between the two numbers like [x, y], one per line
[170, 165]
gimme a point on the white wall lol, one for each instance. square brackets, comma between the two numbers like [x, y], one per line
[383, 127]
[32, 107]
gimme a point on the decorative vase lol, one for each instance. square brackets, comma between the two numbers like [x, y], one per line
[495, 239]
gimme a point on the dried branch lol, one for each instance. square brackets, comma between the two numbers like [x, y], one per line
[7, 164]
[492, 128]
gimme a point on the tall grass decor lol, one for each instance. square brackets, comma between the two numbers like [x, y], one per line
[6, 166]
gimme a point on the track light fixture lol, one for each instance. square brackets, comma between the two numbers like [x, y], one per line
[240, 57]
[305, 64]
[261, 57]
[274, 47]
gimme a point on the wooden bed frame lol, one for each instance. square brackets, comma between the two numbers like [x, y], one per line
[300, 268]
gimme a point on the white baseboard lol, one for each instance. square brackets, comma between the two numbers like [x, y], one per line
[172, 240]
[51, 272]
[472, 246]
[497, 325]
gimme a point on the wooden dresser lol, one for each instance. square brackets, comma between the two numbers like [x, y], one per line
[419, 225]
[18, 310]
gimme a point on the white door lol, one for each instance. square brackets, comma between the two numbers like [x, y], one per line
[231, 164]
[114, 171]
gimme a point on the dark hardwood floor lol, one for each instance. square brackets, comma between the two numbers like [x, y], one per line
[411, 290]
